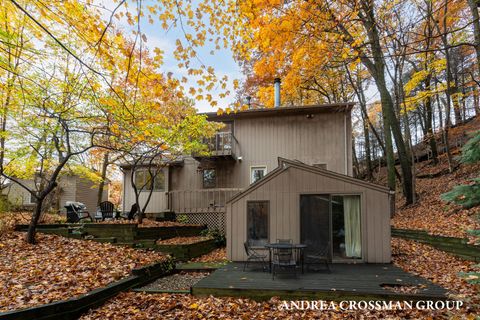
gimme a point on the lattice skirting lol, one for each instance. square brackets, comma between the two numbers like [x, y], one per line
[213, 220]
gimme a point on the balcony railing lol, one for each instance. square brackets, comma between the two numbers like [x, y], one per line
[221, 144]
[202, 200]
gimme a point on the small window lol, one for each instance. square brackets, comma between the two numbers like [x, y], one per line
[32, 199]
[257, 222]
[257, 173]
[143, 179]
[209, 178]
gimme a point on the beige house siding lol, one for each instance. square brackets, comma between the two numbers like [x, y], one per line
[17, 195]
[158, 201]
[283, 193]
[70, 188]
[68, 191]
[323, 139]
[87, 192]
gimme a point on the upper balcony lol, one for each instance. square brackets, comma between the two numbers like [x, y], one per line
[220, 146]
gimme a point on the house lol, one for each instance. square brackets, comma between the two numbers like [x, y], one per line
[245, 150]
[314, 206]
[229, 188]
[70, 188]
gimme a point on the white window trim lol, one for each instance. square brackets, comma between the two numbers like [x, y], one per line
[257, 167]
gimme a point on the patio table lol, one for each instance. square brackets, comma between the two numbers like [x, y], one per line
[298, 247]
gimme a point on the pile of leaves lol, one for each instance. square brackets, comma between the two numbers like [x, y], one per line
[183, 240]
[58, 268]
[437, 266]
[431, 213]
[217, 255]
[174, 306]
[441, 268]
[148, 223]
[8, 220]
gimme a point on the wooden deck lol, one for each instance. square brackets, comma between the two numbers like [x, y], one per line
[345, 282]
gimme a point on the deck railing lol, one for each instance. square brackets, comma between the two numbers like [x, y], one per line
[202, 200]
[221, 144]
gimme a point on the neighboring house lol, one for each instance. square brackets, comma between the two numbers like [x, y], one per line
[70, 188]
[245, 157]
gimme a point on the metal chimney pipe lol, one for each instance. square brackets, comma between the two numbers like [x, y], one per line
[249, 102]
[276, 84]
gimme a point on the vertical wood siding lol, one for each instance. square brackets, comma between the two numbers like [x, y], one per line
[323, 139]
[86, 191]
[283, 192]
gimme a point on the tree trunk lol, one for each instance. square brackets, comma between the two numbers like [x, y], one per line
[356, 166]
[389, 155]
[448, 91]
[377, 70]
[32, 227]
[428, 122]
[455, 95]
[476, 103]
[101, 185]
[368, 152]
[473, 4]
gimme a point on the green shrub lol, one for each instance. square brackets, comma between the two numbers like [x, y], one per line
[182, 218]
[217, 235]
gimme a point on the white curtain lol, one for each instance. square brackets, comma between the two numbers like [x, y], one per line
[353, 239]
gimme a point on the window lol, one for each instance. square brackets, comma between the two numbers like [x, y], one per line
[257, 222]
[32, 199]
[143, 179]
[257, 173]
[209, 178]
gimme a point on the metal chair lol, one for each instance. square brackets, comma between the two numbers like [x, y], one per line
[253, 255]
[320, 256]
[283, 258]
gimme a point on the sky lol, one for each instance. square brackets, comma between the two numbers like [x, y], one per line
[222, 60]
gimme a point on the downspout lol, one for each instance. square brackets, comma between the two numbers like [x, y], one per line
[168, 188]
[346, 143]
[123, 189]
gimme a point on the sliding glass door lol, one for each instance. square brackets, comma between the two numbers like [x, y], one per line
[315, 222]
[333, 222]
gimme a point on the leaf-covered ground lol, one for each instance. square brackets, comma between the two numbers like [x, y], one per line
[217, 255]
[183, 240]
[58, 268]
[419, 259]
[431, 213]
[9, 219]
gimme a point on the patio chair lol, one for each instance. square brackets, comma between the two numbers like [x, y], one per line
[285, 241]
[283, 258]
[320, 256]
[76, 212]
[107, 211]
[253, 255]
[131, 214]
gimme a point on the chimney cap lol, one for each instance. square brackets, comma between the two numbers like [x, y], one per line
[277, 80]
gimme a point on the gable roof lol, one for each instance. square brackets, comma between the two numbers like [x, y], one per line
[281, 111]
[285, 164]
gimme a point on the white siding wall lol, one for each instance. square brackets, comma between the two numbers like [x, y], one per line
[158, 202]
